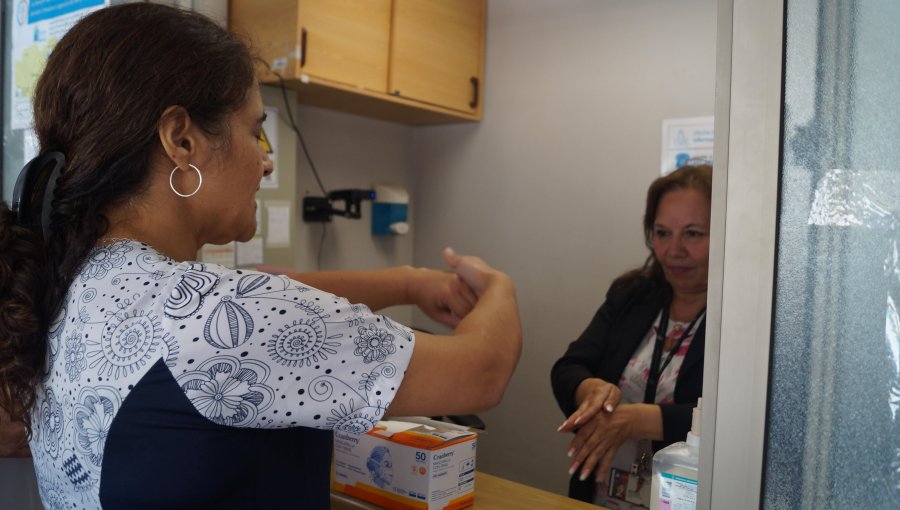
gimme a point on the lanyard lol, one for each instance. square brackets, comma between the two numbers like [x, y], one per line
[655, 369]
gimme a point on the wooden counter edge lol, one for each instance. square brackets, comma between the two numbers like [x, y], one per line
[491, 493]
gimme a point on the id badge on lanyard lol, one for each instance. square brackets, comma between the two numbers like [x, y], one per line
[633, 486]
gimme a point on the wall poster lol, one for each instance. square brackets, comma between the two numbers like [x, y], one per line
[686, 141]
[37, 25]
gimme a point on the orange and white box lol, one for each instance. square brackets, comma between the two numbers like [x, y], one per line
[407, 466]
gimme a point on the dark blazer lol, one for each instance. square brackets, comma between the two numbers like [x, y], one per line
[605, 348]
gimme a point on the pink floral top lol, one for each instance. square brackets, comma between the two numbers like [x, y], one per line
[630, 492]
[634, 379]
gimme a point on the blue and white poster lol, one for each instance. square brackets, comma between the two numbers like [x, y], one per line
[37, 25]
[686, 141]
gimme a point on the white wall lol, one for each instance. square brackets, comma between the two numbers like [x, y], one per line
[352, 152]
[550, 185]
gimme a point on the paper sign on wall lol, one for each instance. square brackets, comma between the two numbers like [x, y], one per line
[278, 226]
[222, 254]
[268, 140]
[258, 217]
[250, 253]
[686, 141]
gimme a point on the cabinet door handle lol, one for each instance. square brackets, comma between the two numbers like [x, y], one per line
[302, 47]
[474, 102]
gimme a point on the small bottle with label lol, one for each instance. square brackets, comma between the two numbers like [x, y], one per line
[675, 469]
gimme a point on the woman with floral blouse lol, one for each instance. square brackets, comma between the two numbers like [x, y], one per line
[146, 379]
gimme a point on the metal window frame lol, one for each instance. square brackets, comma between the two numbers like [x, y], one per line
[749, 76]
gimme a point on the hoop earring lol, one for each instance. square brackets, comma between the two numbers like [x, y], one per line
[199, 184]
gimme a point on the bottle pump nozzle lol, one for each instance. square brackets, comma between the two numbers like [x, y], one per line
[693, 437]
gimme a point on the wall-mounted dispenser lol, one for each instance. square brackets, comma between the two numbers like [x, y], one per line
[389, 211]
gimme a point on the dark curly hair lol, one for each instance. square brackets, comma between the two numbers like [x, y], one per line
[693, 177]
[99, 101]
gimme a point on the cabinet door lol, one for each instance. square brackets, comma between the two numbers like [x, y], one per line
[436, 52]
[346, 41]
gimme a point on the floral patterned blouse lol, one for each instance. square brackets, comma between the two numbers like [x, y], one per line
[189, 385]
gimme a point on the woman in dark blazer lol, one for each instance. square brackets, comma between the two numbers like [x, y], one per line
[626, 385]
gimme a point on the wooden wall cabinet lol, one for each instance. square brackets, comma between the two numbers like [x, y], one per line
[410, 61]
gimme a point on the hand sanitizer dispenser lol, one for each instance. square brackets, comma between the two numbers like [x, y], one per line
[675, 471]
[389, 211]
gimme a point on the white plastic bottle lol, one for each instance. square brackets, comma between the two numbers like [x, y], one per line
[675, 469]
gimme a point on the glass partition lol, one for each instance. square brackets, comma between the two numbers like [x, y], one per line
[833, 428]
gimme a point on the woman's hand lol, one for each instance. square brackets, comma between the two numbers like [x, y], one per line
[442, 295]
[448, 297]
[473, 271]
[598, 439]
[594, 395]
[479, 356]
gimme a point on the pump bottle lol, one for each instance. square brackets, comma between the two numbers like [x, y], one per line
[675, 470]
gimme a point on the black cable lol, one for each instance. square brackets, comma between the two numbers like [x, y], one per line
[312, 166]
[321, 245]
[287, 107]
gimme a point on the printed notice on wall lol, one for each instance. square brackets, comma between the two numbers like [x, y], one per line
[258, 217]
[278, 227]
[250, 253]
[686, 141]
[36, 28]
[268, 140]
[221, 254]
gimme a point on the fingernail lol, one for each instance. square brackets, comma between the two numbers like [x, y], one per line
[561, 426]
[572, 469]
[609, 408]
[576, 421]
[584, 475]
[570, 453]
